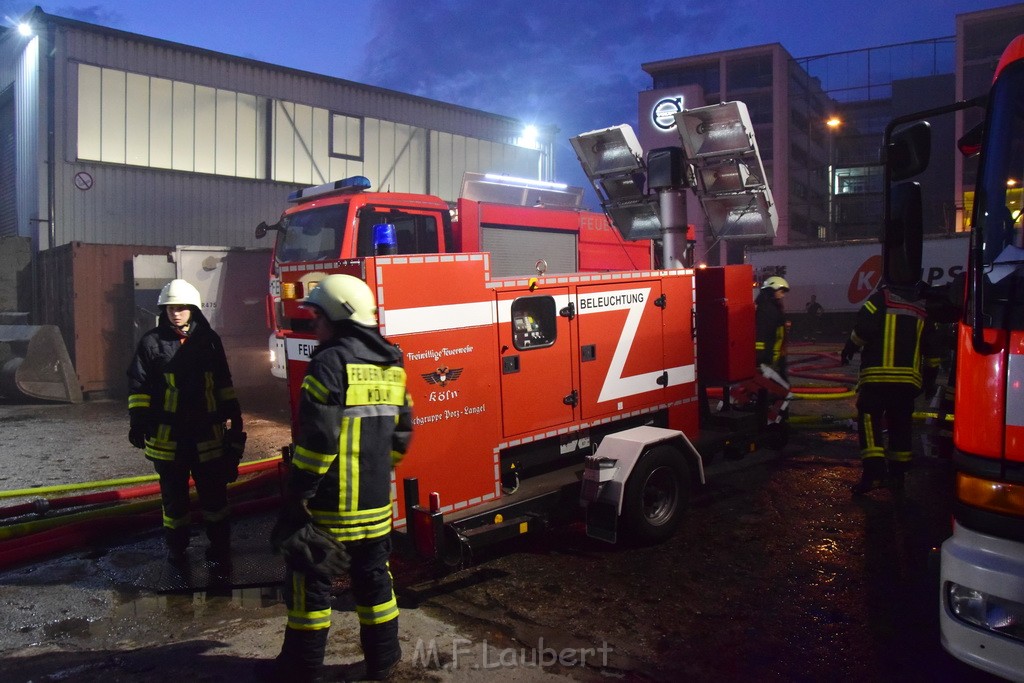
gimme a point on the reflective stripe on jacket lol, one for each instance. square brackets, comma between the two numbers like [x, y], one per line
[895, 339]
[181, 391]
[355, 422]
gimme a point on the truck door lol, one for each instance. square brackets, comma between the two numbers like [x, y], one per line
[535, 355]
[632, 353]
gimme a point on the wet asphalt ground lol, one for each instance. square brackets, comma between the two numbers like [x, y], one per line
[776, 574]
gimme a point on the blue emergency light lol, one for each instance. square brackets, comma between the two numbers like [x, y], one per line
[385, 239]
[356, 183]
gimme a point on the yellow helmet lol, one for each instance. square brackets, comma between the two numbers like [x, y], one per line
[343, 297]
[775, 282]
[179, 292]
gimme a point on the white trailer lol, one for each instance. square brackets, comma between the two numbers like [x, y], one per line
[842, 276]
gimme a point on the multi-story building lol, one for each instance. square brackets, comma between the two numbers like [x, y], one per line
[819, 122]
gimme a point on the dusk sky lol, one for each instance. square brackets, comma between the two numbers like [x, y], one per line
[572, 64]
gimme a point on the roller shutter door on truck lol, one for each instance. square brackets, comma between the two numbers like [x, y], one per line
[516, 252]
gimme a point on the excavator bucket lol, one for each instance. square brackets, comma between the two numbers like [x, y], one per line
[34, 364]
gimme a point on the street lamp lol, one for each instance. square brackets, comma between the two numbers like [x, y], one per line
[832, 123]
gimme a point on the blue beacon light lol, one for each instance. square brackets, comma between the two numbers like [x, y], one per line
[385, 240]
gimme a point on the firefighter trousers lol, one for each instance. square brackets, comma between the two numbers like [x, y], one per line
[308, 598]
[886, 406]
[212, 490]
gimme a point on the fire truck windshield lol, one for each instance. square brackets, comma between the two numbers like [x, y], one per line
[998, 197]
[312, 235]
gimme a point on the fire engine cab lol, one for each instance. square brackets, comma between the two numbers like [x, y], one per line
[981, 572]
[540, 391]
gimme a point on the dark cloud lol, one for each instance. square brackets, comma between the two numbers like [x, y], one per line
[11, 11]
[573, 65]
[93, 14]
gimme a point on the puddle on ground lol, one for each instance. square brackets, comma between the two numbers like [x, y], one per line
[132, 613]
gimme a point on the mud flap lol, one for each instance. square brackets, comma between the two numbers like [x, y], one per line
[34, 364]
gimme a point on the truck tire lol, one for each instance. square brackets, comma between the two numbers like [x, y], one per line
[657, 494]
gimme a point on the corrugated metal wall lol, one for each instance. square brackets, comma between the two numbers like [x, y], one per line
[132, 205]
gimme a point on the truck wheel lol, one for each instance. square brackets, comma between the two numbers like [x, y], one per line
[657, 494]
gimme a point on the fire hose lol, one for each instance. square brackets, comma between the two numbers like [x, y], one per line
[23, 541]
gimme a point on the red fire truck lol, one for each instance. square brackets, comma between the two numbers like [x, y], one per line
[981, 592]
[534, 392]
[525, 225]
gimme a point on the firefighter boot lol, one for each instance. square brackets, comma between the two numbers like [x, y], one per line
[381, 652]
[219, 535]
[872, 476]
[897, 470]
[301, 659]
[177, 541]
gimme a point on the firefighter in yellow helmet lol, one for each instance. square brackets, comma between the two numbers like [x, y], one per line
[898, 355]
[770, 325]
[181, 400]
[355, 422]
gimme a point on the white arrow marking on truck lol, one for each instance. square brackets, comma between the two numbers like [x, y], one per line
[615, 384]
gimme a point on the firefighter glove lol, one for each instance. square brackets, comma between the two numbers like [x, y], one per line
[849, 351]
[137, 437]
[293, 516]
[314, 551]
[234, 448]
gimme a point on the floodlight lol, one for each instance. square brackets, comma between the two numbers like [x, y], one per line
[636, 220]
[731, 182]
[717, 130]
[741, 215]
[620, 188]
[731, 176]
[608, 151]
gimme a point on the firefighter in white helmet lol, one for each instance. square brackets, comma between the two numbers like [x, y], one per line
[770, 325]
[181, 400]
[355, 422]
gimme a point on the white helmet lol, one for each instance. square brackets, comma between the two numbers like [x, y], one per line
[775, 282]
[179, 292]
[344, 297]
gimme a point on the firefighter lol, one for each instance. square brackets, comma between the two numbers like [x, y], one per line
[898, 357]
[180, 402]
[771, 327]
[354, 426]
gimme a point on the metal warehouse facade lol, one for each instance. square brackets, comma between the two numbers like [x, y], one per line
[116, 148]
[114, 138]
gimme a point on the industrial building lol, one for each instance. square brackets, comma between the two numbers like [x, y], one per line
[114, 144]
[819, 122]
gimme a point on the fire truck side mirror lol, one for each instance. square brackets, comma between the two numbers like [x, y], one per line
[262, 229]
[910, 151]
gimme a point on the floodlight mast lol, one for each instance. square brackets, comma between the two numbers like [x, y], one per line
[667, 175]
[614, 162]
[719, 161]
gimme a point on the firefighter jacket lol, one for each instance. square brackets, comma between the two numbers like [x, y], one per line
[896, 341]
[180, 390]
[770, 329]
[355, 422]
